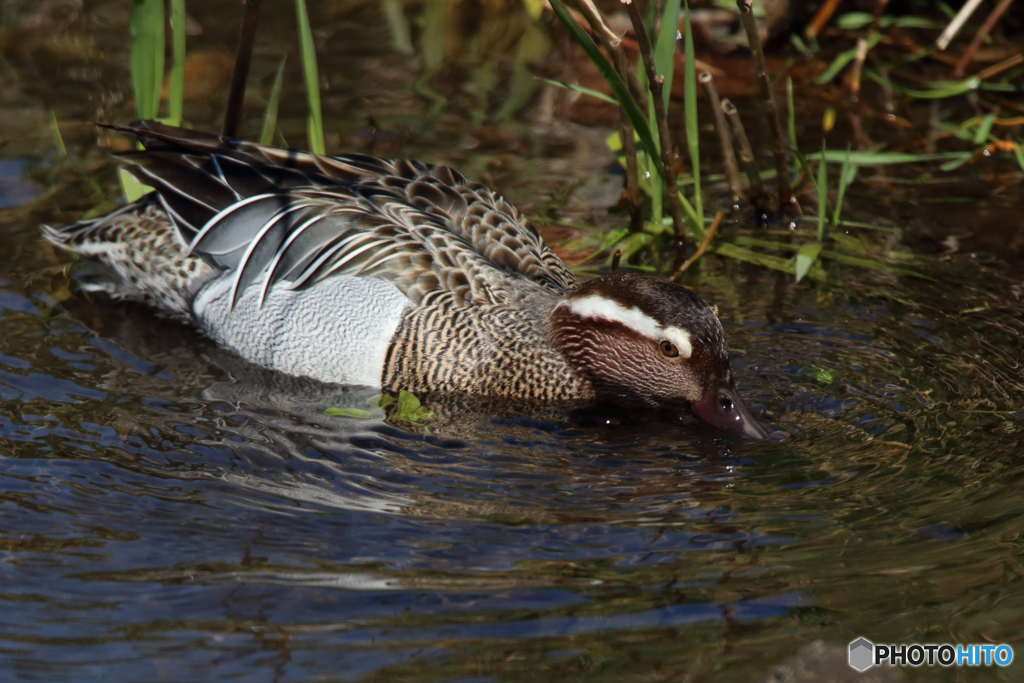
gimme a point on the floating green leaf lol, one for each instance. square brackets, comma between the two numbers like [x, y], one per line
[822, 375]
[407, 409]
[357, 413]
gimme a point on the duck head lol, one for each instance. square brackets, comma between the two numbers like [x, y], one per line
[644, 342]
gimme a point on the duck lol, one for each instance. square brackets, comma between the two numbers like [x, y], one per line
[396, 275]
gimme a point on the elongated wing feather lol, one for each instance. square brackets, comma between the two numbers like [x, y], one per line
[282, 217]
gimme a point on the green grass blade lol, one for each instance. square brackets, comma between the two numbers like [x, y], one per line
[618, 88]
[941, 91]
[805, 258]
[792, 111]
[147, 57]
[842, 59]
[580, 89]
[176, 86]
[693, 220]
[961, 159]
[1019, 155]
[846, 176]
[133, 190]
[822, 189]
[881, 158]
[665, 47]
[400, 34]
[766, 260]
[984, 128]
[690, 114]
[870, 264]
[57, 138]
[270, 116]
[315, 121]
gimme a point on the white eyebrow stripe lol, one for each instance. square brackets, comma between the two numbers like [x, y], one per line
[598, 307]
[681, 338]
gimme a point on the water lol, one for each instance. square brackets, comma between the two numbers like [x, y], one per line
[172, 513]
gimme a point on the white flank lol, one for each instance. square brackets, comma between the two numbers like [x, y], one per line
[336, 331]
[597, 307]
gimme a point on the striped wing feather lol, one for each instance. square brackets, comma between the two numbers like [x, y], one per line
[281, 217]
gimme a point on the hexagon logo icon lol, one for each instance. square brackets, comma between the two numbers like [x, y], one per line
[862, 654]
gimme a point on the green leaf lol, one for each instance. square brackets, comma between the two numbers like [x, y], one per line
[665, 47]
[270, 115]
[805, 258]
[961, 159]
[315, 121]
[792, 112]
[690, 116]
[822, 375]
[846, 175]
[58, 139]
[585, 91]
[881, 158]
[618, 88]
[357, 413]
[1019, 155]
[822, 189]
[133, 190]
[765, 260]
[870, 264]
[176, 86]
[981, 135]
[842, 59]
[408, 409]
[940, 90]
[147, 57]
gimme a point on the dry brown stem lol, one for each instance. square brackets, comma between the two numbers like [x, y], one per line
[732, 171]
[986, 28]
[656, 84]
[821, 18]
[942, 42]
[745, 154]
[708, 236]
[780, 148]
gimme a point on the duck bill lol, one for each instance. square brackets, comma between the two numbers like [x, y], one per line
[721, 408]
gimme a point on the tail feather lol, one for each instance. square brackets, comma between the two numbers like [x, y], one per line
[135, 254]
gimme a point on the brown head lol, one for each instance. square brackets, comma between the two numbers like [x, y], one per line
[646, 342]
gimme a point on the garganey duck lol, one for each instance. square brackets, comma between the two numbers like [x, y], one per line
[397, 275]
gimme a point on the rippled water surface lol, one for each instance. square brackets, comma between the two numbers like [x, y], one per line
[170, 512]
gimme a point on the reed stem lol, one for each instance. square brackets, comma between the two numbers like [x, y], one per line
[746, 155]
[780, 148]
[732, 171]
[656, 83]
[243, 60]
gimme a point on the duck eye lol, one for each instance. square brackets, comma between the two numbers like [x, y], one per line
[726, 403]
[668, 349]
